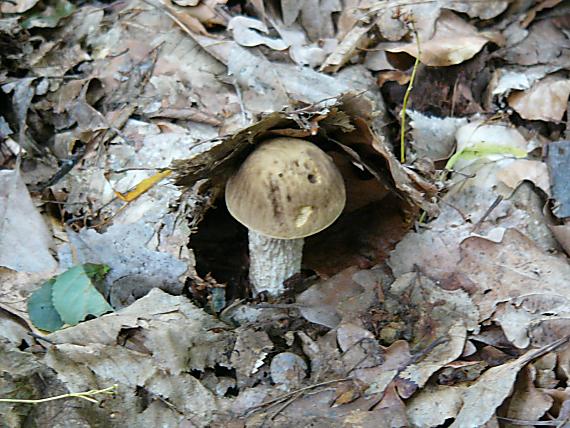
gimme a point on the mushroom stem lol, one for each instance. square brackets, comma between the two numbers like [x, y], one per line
[272, 261]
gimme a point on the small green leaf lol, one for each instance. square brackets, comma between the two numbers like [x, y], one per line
[41, 310]
[74, 295]
[482, 149]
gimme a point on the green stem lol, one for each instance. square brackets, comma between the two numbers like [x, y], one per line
[406, 97]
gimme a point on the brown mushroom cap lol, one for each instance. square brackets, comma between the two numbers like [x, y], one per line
[287, 188]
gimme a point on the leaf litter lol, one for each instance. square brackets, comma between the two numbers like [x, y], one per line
[438, 297]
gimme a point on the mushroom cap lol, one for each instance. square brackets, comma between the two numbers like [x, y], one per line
[287, 188]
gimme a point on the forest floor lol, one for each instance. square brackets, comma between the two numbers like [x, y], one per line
[440, 296]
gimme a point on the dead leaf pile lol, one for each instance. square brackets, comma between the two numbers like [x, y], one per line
[439, 298]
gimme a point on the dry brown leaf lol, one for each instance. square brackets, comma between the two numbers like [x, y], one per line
[453, 42]
[478, 9]
[433, 405]
[527, 402]
[347, 47]
[206, 12]
[547, 100]
[525, 169]
[519, 273]
[482, 398]
[531, 14]
[26, 239]
[398, 76]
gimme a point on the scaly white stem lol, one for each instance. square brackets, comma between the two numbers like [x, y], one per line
[272, 261]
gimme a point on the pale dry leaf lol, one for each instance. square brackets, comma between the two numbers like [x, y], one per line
[562, 234]
[379, 377]
[547, 100]
[546, 377]
[25, 239]
[516, 271]
[531, 14]
[186, 2]
[248, 32]
[419, 373]
[135, 268]
[318, 21]
[483, 397]
[434, 137]
[525, 169]
[549, 328]
[531, 50]
[206, 11]
[320, 303]
[391, 17]
[346, 48]
[301, 50]
[514, 322]
[351, 12]
[433, 405]
[453, 42]
[527, 402]
[17, 6]
[251, 349]
[200, 341]
[376, 60]
[478, 9]
[290, 10]
[505, 80]
[168, 337]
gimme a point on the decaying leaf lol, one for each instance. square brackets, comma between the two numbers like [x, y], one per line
[162, 339]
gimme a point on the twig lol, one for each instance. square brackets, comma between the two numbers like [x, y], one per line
[523, 422]
[496, 202]
[293, 393]
[407, 96]
[83, 395]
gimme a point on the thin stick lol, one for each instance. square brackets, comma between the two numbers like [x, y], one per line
[407, 96]
[83, 395]
[293, 393]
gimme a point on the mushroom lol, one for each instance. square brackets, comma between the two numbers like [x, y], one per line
[285, 190]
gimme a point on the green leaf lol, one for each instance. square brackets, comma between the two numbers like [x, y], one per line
[74, 295]
[482, 149]
[49, 17]
[41, 310]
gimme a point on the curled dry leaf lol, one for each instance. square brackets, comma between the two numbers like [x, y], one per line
[246, 32]
[547, 100]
